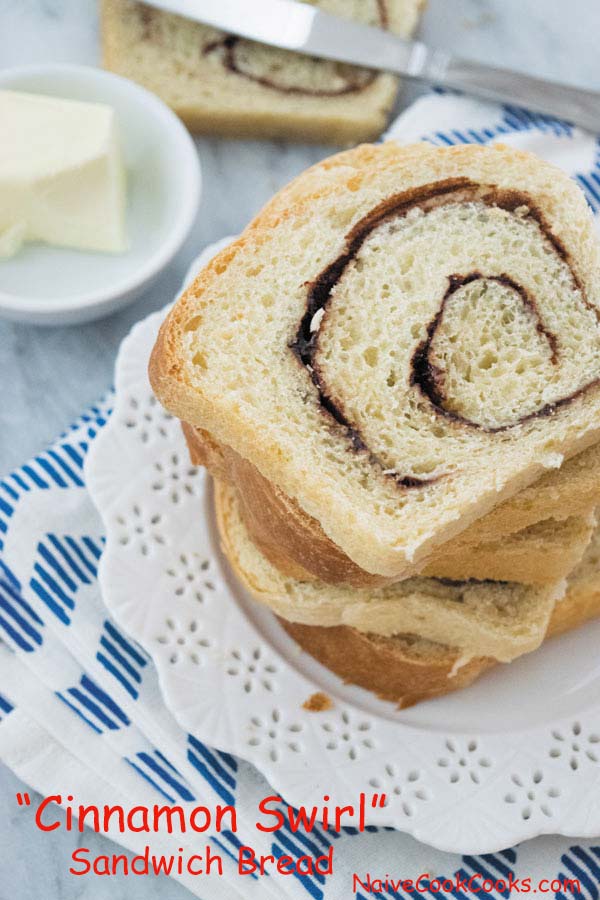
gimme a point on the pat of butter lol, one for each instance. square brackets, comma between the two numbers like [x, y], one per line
[62, 179]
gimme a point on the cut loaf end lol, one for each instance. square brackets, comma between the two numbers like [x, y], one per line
[225, 85]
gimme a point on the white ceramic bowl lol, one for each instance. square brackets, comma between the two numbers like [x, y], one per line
[49, 285]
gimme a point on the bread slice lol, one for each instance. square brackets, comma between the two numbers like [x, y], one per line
[571, 490]
[543, 553]
[401, 347]
[404, 667]
[497, 619]
[229, 86]
[407, 669]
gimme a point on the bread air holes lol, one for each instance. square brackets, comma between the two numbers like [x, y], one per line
[191, 577]
[275, 734]
[371, 356]
[426, 466]
[401, 786]
[575, 746]
[183, 641]
[500, 343]
[490, 345]
[254, 667]
[193, 324]
[531, 793]
[146, 417]
[199, 360]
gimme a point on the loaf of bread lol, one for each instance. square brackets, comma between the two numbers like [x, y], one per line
[404, 339]
[541, 553]
[225, 85]
[448, 633]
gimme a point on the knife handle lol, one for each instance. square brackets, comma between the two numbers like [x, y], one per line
[563, 101]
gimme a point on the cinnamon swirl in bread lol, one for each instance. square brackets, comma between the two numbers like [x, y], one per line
[225, 85]
[473, 625]
[402, 340]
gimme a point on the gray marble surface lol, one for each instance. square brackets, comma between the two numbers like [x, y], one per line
[48, 376]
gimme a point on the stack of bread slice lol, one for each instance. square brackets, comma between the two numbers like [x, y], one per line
[394, 376]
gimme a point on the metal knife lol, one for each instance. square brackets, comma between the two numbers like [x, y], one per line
[305, 29]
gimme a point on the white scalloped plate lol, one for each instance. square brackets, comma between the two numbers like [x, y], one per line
[514, 756]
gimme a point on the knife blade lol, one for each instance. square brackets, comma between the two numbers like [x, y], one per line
[304, 28]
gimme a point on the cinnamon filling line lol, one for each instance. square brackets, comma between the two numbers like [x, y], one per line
[356, 79]
[424, 375]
